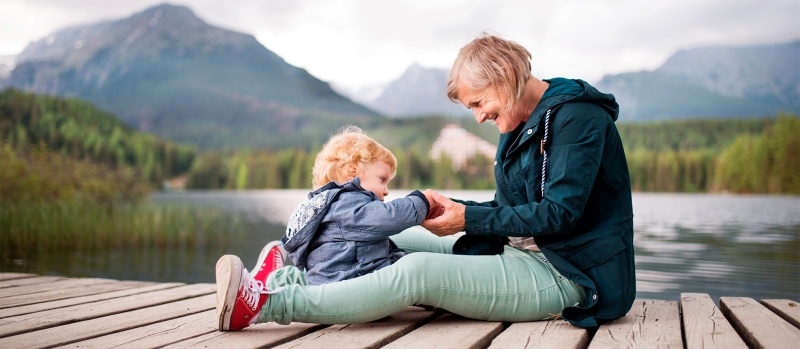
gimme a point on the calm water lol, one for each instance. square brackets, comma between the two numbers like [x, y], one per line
[723, 245]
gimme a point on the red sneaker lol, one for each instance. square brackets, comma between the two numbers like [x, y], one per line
[239, 296]
[270, 259]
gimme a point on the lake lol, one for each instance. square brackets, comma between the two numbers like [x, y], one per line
[723, 245]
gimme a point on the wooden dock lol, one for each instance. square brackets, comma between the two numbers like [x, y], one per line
[47, 311]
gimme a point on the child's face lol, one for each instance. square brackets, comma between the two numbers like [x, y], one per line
[375, 178]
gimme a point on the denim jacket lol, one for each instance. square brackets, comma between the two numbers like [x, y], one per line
[342, 231]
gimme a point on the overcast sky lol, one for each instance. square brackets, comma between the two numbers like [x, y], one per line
[362, 42]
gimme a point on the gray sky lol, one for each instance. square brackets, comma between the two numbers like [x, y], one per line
[357, 43]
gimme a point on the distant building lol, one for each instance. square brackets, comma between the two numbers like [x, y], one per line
[175, 184]
[460, 146]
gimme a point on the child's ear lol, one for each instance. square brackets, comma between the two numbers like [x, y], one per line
[352, 170]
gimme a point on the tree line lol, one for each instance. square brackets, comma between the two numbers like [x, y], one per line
[737, 156]
[45, 139]
[291, 169]
[78, 130]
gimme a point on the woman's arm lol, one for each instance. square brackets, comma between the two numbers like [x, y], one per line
[492, 203]
[574, 160]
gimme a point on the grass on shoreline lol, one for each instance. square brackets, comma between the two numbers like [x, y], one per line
[61, 226]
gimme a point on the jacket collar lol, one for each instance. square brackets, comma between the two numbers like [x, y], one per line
[531, 127]
[351, 185]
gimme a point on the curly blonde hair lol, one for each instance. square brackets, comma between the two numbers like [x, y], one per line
[348, 146]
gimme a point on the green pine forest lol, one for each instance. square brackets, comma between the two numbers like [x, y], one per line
[57, 148]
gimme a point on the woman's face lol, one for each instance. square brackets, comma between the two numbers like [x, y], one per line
[487, 105]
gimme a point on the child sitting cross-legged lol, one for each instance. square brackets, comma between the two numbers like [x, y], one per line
[340, 233]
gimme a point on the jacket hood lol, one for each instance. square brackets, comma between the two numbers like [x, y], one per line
[563, 91]
[308, 216]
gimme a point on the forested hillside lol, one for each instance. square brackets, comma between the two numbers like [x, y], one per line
[167, 72]
[741, 156]
[66, 149]
[81, 131]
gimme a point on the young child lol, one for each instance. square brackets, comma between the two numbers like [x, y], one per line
[343, 230]
[340, 233]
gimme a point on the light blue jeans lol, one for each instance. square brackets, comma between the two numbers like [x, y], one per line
[518, 285]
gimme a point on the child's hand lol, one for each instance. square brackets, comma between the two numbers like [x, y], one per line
[436, 208]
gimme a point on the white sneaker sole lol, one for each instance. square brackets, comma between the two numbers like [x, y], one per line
[229, 276]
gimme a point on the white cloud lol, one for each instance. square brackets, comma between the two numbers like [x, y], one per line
[362, 42]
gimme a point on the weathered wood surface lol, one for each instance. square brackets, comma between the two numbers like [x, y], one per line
[9, 276]
[787, 309]
[63, 284]
[33, 308]
[257, 336]
[118, 322]
[542, 334]
[451, 331]
[97, 313]
[27, 281]
[52, 294]
[704, 326]
[156, 335]
[757, 325]
[650, 324]
[369, 335]
[50, 318]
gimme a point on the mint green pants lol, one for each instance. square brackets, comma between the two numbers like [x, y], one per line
[516, 286]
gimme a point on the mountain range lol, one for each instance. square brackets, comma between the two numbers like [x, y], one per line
[166, 71]
[703, 82]
[418, 91]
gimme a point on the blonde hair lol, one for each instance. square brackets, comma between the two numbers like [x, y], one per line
[348, 146]
[491, 62]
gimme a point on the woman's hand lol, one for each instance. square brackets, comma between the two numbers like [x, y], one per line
[436, 208]
[450, 219]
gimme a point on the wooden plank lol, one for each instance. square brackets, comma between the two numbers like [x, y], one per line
[450, 331]
[257, 336]
[48, 286]
[704, 326]
[100, 286]
[649, 323]
[156, 335]
[758, 326]
[45, 306]
[787, 309]
[9, 276]
[74, 332]
[36, 321]
[373, 334]
[28, 281]
[542, 334]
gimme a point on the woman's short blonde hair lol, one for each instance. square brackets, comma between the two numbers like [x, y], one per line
[491, 62]
[348, 146]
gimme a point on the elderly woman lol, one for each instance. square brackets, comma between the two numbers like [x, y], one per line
[557, 238]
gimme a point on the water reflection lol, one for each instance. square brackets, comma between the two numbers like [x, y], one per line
[717, 244]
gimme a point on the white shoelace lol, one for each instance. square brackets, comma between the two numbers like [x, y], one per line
[254, 290]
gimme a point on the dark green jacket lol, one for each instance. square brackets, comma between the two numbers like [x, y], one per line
[584, 223]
